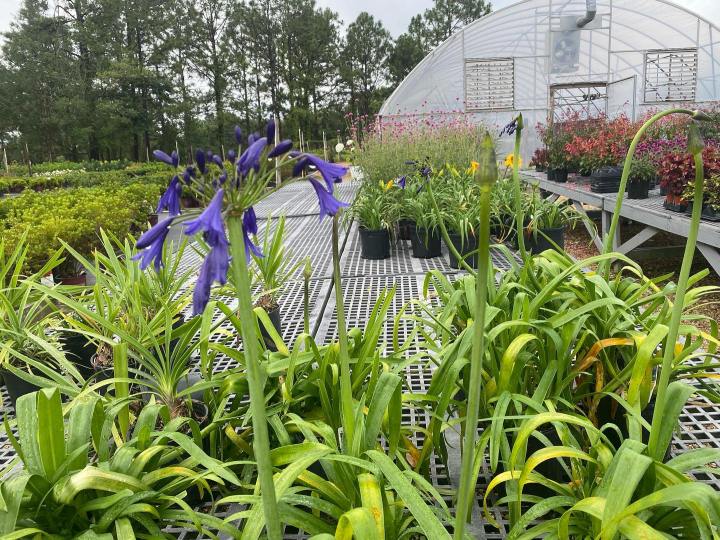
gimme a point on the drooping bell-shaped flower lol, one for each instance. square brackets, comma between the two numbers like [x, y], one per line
[299, 166]
[331, 172]
[151, 244]
[283, 147]
[270, 131]
[210, 222]
[402, 181]
[209, 156]
[251, 157]
[238, 135]
[188, 174]
[170, 200]
[223, 178]
[218, 161]
[249, 226]
[214, 269]
[172, 160]
[200, 160]
[329, 205]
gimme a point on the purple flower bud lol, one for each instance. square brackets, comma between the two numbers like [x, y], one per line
[283, 147]
[151, 244]
[250, 221]
[299, 166]
[175, 158]
[200, 160]
[171, 198]
[252, 138]
[162, 156]
[231, 155]
[249, 227]
[402, 181]
[270, 130]
[188, 174]
[223, 178]
[218, 161]
[251, 157]
[238, 134]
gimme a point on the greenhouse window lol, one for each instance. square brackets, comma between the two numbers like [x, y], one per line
[670, 75]
[489, 84]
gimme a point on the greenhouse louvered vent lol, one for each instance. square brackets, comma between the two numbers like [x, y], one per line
[670, 75]
[489, 84]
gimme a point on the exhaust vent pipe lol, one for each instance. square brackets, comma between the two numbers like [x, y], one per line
[589, 15]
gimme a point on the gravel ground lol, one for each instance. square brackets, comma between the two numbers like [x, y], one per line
[579, 245]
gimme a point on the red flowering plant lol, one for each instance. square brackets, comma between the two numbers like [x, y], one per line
[676, 168]
[600, 142]
[540, 159]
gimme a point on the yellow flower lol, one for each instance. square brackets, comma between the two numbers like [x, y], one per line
[387, 186]
[509, 159]
[473, 166]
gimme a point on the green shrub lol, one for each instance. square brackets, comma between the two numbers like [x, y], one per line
[75, 216]
[150, 173]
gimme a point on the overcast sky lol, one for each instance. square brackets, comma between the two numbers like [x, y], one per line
[395, 14]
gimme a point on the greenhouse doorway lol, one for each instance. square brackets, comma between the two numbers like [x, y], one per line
[581, 101]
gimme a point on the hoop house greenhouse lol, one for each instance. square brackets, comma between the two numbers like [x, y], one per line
[555, 57]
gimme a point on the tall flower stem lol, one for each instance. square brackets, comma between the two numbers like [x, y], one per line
[346, 399]
[256, 378]
[604, 266]
[307, 274]
[486, 176]
[695, 145]
[519, 215]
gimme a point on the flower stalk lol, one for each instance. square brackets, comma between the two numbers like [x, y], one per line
[307, 273]
[346, 399]
[604, 266]
[519, 215]
[256, 378]
[486, 174]
[695, 146]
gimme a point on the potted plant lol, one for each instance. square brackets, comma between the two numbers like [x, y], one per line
[676, 170]
[425, 236]
[711, 198]
[272, 269]
[642, 173]
[540, 159]
[546, 221]
[375, 209]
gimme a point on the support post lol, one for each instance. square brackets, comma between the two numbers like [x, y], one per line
[325, 150]
[5, 161]
[278, 175]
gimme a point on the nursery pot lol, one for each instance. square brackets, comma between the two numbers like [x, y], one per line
[675, 203]
[374, 244]
[557, 175]
[663, 191]
[469, 246]
[540, 243]
[638, 190]
[425, 244]
[605, 180]
[405, 229]
[708, 212]
[101, 373]
[80, 351]
[16, 386]
[276, 320]
[69, 280]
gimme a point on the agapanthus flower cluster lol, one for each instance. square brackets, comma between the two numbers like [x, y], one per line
[207, 179]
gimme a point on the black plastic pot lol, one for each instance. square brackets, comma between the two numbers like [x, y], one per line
[374, 245]
[674, 206]
[16, 387]
[605, 180]
[557, 175]
[79, 350]
[538, 244]
[663, 191]
[405, 229]
[425, 244]
[276, 320]
[469, 245]
[638, 190]
[708, 213]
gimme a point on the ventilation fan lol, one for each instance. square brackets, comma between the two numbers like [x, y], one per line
[565, 56]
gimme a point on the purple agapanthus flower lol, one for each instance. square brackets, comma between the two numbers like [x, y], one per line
[252, 138]
[270, 131]
[251, 157]
[249, 226]
[170, 200]
[231, 155]
[223, 178]
[283, 147]
[200, 160]
[299, 166]
[172, 160]
[218, 161]
[151, 244]
[331, 172]
[238, 134]
[329, 205]
[402, 181]
[509, 128]
[214, 268]
[188, 174]
[210, 222]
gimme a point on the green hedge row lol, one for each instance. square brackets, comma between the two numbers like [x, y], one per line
[68, 178]
[21, 169]
[75, 216]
